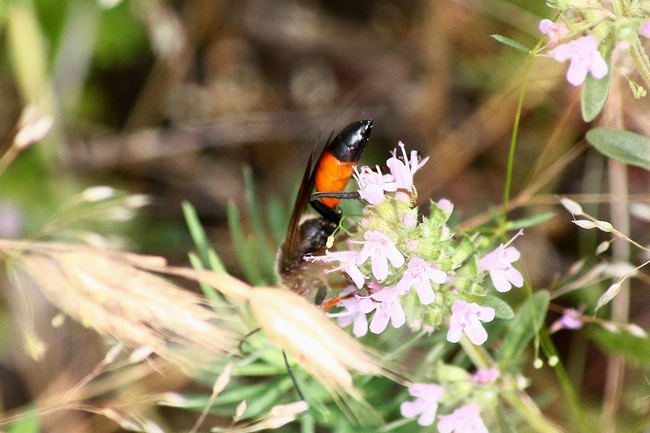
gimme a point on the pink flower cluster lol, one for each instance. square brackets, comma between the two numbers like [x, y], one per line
[582, 52]
[386, 260]
[463, 420]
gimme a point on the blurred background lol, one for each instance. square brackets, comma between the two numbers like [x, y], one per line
[178, 99]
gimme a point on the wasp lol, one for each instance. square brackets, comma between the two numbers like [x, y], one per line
[308, 235]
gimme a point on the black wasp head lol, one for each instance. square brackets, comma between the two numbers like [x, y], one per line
[348, 145]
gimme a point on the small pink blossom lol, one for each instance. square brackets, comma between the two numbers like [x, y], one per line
[571, 319]
[467, 317]
[465, 419]
[645, 30]
[387, 307]
[420, 274]
[404, 169]
[380, 250]
[374, 185]
[585, 57]
[347, 259]
[446, 206]
[352, 315]
[499, 264]
[486, 375]
[554, 31]
[426, 403]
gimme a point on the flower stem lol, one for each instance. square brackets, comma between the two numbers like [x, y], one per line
[515, 130]
[520, 401]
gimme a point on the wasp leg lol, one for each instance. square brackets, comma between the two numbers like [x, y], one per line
[292, 376]
[331, 214]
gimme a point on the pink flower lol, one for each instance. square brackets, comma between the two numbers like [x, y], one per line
[426, 403]
[571, 319]
[554, 31]
[465, 419]
[499, 264]
[420, 274]
[387, 308]
[372, 186]
[486, 375]
[466, 317]
[584, 56]
[446, 206]
[352, 314]
[645, 30]
[348, 260]
[380, 250]
[404, 169]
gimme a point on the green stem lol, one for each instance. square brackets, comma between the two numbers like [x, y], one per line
[515, 131]
[520, 401]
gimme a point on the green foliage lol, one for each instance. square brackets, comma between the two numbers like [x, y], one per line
[633, 348]
[624, 146]
[595, 91]
[511, 43]
[527, 322]
[122, 38]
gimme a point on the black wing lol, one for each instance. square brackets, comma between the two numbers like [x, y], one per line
[291, 246]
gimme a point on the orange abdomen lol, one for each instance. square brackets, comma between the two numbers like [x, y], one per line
[332, 175]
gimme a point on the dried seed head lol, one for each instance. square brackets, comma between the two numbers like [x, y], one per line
[108, 292]
[321, 347]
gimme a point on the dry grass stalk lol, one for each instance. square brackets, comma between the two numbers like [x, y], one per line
[117, 294]
[106, 291]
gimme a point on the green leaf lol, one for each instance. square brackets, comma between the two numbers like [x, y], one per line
[245, 257]
[526, 323]
[594, 91]
[531, 221]
[624, 146]
[511, 43]
[631, 347]
[207, 253]
[501, 308]
[264, 253]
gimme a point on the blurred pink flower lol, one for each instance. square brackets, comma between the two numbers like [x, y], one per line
[426, 403]
[387, 307]
[380, 250]
[486, 375]
[467, 317]
[645, 30]
[554, 31]
[352, 315]
[373, 185]
[571, 319]
[348, 259]
[465, 419]
[403, 169]
[420, 274]
[499, 264]
[585, 57]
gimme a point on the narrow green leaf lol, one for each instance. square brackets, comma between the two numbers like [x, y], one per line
[210, 293]
[501, 308]
[531, 221]
[625, 146]
[247, 263]
[631, 347]
[511, 43]
[595, 92]
[526, 323]
[206, 252]
[263, 251]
